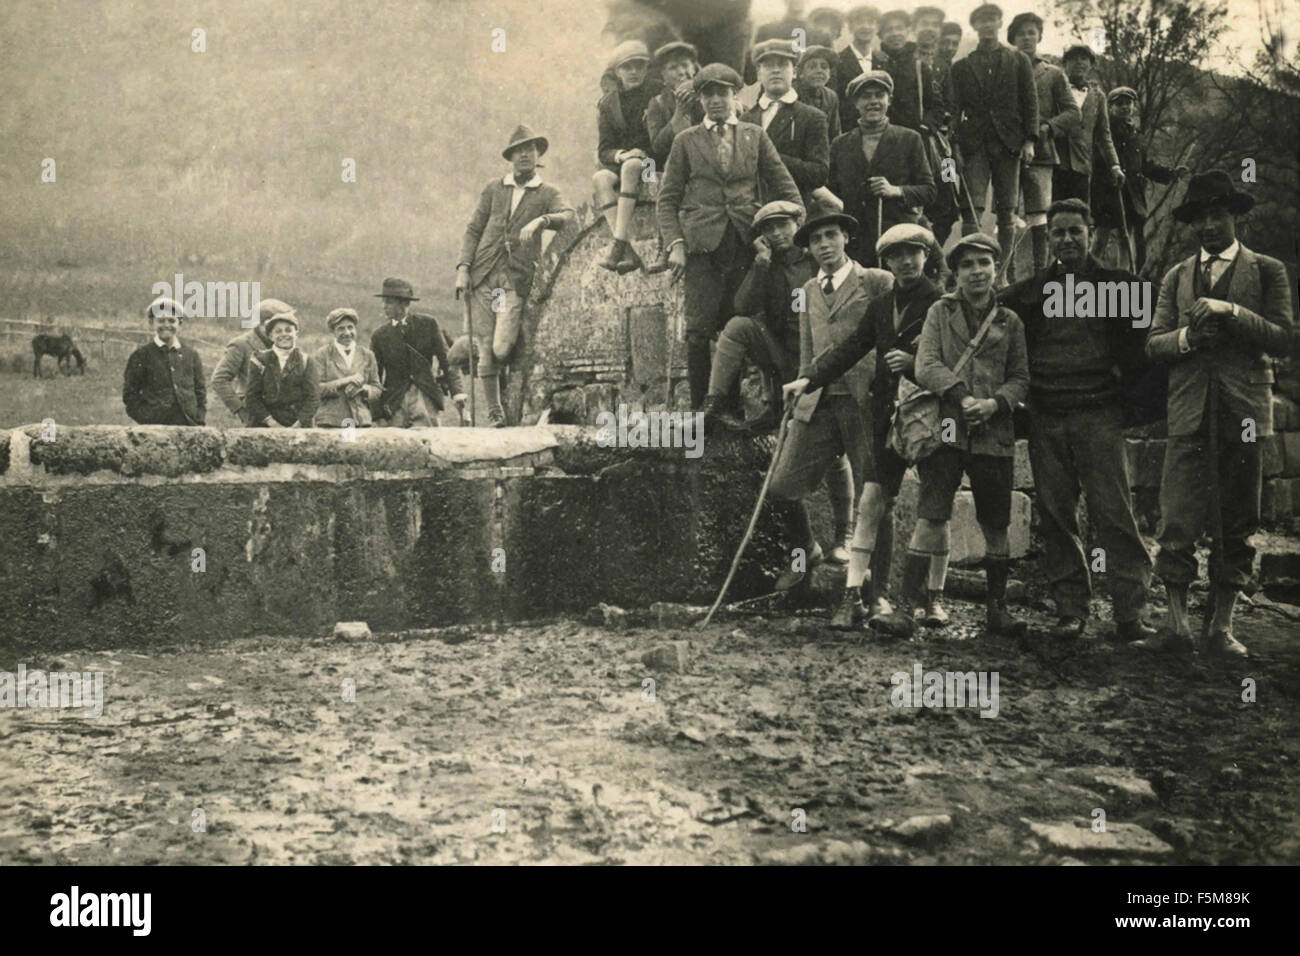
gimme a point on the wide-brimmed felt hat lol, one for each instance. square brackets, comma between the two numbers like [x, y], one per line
[906, 234]
[397, 289]
[676, 48]
[1212, 188]
[820, 215]
[1020, 20]
[774, 47]
[523, 134]
[1079, 49]
[902, 16]
[778, 208]
[985, 10]
[716, 73]
[626, 52]
[819, 53]
[1119, 92]
[338, 315]
[877, 77]
[976, 240]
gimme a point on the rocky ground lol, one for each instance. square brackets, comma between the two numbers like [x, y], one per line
[546, 744]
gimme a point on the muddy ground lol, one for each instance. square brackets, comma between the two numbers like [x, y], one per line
[537, 745]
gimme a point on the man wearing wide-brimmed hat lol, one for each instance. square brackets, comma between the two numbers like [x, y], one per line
[1221, 314]
[797, 130]
[499, 256]
[708, 195]
[831, 422]
[406, 348]
[230, 378]
[163, 382]
[891, 326]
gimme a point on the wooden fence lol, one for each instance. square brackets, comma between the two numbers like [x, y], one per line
[107, 344]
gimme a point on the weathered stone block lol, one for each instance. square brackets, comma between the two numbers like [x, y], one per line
[1273, 455]
[1275, 502]
[1291, 444]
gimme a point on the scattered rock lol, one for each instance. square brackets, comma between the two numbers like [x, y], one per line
[1118, 781]
[925, 829]
[607, 615]
[352, 631]
[832, 853]
[667, 614]
[1118, 839]
[673, 657]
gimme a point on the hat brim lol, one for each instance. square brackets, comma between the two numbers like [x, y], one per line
[391, 295]
[1237, 203]
[842, 219]
[928, 248]
[542, 146]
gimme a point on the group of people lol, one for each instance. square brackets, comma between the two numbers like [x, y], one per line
[817, 256]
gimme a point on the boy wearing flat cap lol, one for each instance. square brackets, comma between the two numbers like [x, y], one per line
[283, 390]
[230, 378]
[499, 256]
[993, 98]
[814, 74]
[677, 106]
[926, 24]
[796, 31]
[972, 355]
[708, 196]
[797, 130]
[348, 373]
[163, 383]
[880, 171]
[623, 149]
[1221, 314]
[891, 325]
[831, 422]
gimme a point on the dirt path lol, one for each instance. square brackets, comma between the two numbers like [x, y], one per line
[550, 725]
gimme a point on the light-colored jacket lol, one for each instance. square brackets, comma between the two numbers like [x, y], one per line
[335, 406]
[999, 367]
[1261, 291]
[230, 378]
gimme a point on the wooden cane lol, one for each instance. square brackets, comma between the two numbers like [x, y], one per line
[1123, 224]
[880, 218]
[1215, 492]
[469, 341]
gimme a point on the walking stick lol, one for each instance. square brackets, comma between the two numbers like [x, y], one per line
[880, 218]
[668, 371]
[1123, 224]
[469, 341]
[758, 507]
[1216, 514]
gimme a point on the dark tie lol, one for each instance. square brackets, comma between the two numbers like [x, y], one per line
[828, 287]
[1207, 274]
[724, 147]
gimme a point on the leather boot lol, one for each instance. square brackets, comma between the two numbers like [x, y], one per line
[630, 262]
[850, 613]
[1136, 630]
[660, 264]
[614, 255]
[935, 615]
[1068, 628]
[716, 417]
[1000, 621]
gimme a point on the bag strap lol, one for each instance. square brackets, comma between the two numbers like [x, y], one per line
[976, 342]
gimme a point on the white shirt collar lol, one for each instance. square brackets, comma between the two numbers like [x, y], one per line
[344, 352]
[1226, 255]
[729, 121]
[838, 276]
[282, 355]
[175, 346]
[509, 180]
[764, 101]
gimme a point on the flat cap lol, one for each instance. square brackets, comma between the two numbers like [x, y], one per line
[1120, 92]
[878, 77]
[827, 13]
[1020, 20]
[163, 306]
[626, 52]
[819, 53]
[268, 309]
[676, 48]
[718, 73]
[980, 241]
[1079, 49]
[902, 16]
[862, 10]
[985, 10]
[290, 317]
[338, 315]
[778, 209]
[950, 28]
[775, 47]
[920, 12]
[906, 234]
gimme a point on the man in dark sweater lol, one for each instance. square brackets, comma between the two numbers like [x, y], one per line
[1076, 442]
[163, 383]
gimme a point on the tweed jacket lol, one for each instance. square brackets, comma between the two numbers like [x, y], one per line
[697, 198]
[900, 158]
[998, 369]
[1239, 361]
[405, 355]
[1079, 136]
[288, 395]
[1005, 108]
[492, 235]
[826, 322]
[335, 406]
[799, 133]
[230, 378]
[1056, 109]
[663, 122]
[164, 388]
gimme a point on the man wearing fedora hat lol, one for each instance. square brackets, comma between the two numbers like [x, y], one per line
[708, 196]
[623, 148]
[1221, 314]
[1138, 168]
[878, 166]
[992, 95]
[891, 325]
[230, 377]
[797, 130]
[163, 382]
[406, 347]
[499, 256]
[1079, 139]
[830, 422]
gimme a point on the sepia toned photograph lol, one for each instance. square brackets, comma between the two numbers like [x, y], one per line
[650, 433]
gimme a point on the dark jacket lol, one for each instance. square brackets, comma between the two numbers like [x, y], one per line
[165, 389]
[1089, 131]
[1138, 169]
[916, 100]
[1077, 362]
[406, 355]
[289, 395]
[798, 131]
[618, 131]
[846, 68]
[663, 122]
[824, 98]
[767, 292]
[1002, 108]
[230, 378]
[876, 331]
[900, 158]
[492, 235]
